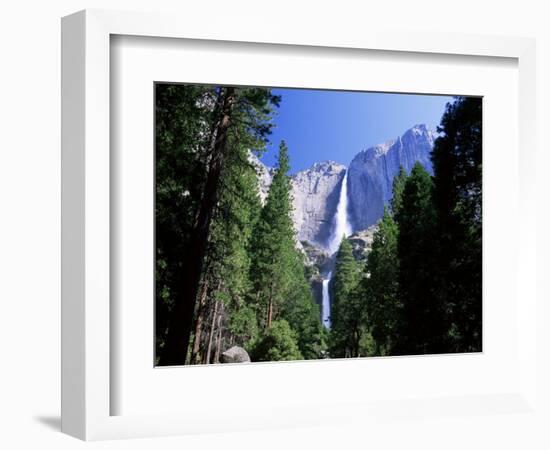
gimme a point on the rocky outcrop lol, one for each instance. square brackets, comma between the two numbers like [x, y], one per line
[361, 242]
[371, 173]
[318, 263]
[315, 193]
[235, 354]
[265, 176]
[316, 257]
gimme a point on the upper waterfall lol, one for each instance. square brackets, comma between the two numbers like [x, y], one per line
[328, 197]
[342, 225]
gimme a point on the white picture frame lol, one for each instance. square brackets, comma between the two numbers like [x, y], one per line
[87, 385]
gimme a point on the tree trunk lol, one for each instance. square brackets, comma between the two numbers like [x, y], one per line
[212, 325]
[198, 324]
[177, 339]
[219, 339]
[270, 307]
[270, 312]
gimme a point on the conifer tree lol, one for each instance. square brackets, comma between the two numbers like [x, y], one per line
[423, 326]
[277, 344]
[238, 118]
[380, 286]
[348, 306]
[280, 289]
[183, 117]
[273, 244]
[303, 314]
[457, 160]
[398, 186]
[228, 264]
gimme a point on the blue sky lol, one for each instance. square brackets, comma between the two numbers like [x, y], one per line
[335, 125]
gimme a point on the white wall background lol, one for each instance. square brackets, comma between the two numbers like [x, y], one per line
[30, 222]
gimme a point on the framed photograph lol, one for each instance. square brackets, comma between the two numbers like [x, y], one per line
[291, 255]
[271, 229]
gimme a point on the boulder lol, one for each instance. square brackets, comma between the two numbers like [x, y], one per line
[235, 354]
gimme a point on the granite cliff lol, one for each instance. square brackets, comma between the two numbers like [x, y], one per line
[371, 173]
[315, 191]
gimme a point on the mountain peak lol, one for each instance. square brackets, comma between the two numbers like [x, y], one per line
[370, 174]
[380, 150]
[419, 128]
[421, 132]
[326, 167]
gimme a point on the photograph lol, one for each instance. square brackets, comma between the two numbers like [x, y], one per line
[300, 224]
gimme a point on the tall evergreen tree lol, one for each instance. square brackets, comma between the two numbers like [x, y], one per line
[380, 286]
[273, 244]
[348, 306]
[398, 187]
[228, 263]
[423, 326]
[303, 314]
[237, 116]
[183, 117]
[457, 161]
[280, 289]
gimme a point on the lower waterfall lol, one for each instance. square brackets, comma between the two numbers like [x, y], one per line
[326, 301]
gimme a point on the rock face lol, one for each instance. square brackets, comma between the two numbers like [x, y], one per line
[371, 173]
[318, 263]
[315, 192]
[361, 242]
[265, 176]
[235, 354]
[316, 257]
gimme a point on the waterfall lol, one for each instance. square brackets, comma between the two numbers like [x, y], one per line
[326, 301]
[341, 228]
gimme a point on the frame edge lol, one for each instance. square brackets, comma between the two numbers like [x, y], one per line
[73, 83]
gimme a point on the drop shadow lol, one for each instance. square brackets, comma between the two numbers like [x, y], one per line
[51, 422]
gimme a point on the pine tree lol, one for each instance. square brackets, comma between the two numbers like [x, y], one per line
[398, 186]
[228, 263]
[183, 121]
[348, 306]
[238, 118]
[273, 244]
[423, 326]
[280, 289]
[303, 314]
[457, 160]
[277, 344]
[380, 286]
